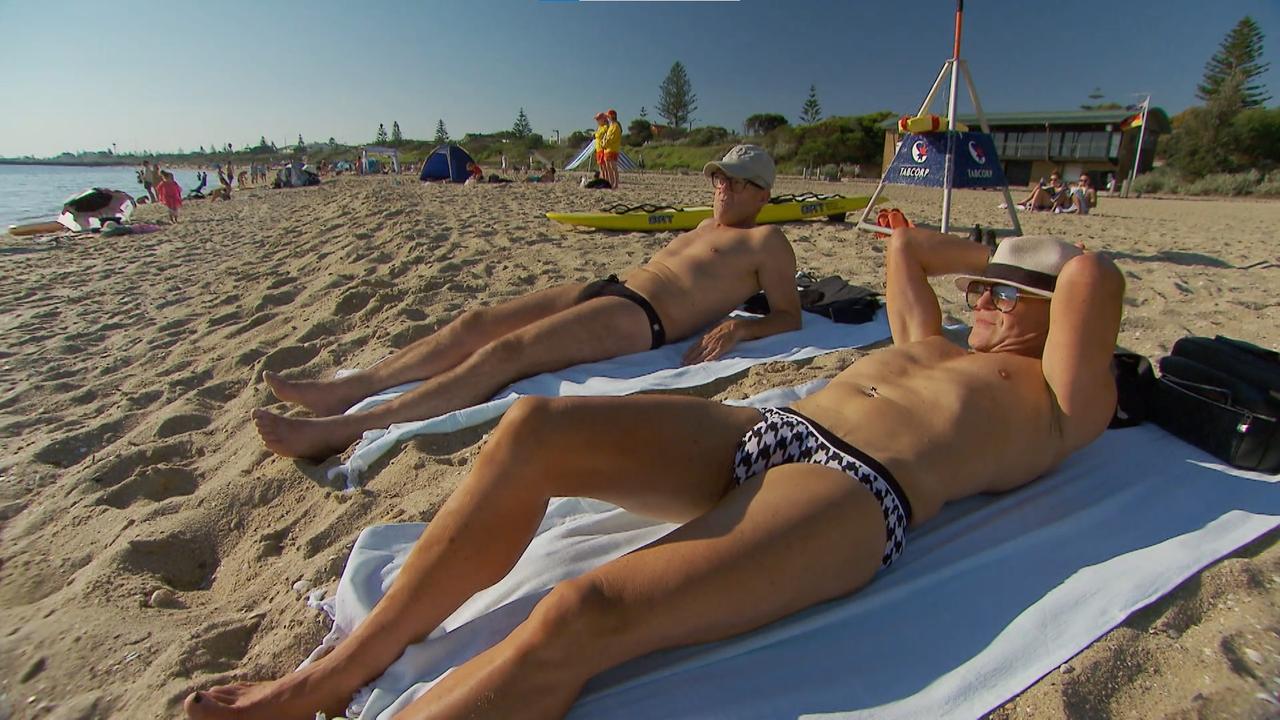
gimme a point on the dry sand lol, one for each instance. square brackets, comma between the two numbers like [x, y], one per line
[128, 466]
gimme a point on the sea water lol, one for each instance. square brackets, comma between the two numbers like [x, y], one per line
[35, 193]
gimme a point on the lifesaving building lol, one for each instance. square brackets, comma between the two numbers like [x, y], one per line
[1031, 145]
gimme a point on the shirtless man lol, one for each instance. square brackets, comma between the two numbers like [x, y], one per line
[782, 509]
[694, 281]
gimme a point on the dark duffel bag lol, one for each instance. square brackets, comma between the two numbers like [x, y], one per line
[1223, 396]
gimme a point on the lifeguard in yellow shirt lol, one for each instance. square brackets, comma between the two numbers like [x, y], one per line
[602, 129]
[612, 146]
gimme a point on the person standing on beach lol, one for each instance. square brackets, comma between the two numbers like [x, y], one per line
[170, 194]
[688, 287]
[150, 178]
[612, 146]
[780, 508]
[602, 127]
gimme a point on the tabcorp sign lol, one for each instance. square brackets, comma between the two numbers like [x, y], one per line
[922, 160]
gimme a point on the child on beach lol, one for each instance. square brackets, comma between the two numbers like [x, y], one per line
[170, 194]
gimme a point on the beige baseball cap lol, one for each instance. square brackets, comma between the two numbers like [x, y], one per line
[745, 162]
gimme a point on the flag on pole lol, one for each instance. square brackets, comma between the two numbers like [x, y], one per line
[1136, 120]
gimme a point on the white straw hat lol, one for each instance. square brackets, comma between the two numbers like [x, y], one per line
[1030, 263]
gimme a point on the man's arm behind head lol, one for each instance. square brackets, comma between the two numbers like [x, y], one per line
[1084, 320]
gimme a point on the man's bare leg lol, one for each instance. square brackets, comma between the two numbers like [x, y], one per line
[428, 356]
[595, 330]
[799, 535]
[669, 457]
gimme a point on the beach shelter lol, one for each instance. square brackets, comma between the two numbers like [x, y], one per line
[588, 155]
[391, 153]
[944, 154]
[89, 209]
[446, 162]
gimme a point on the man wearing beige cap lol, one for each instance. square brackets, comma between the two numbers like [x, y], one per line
[782, 508]
[688, 287]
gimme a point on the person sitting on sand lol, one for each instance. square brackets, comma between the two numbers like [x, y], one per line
[782, 508]
[1045, 197]
[474, 173]
[1080, 199]
[596, 182]
[696, 280]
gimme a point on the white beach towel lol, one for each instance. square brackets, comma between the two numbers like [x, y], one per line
[988, 597]
[658, 369]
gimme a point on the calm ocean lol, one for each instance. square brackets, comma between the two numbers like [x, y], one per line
[34, 193]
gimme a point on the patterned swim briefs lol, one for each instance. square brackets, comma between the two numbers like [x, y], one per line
[785, 436]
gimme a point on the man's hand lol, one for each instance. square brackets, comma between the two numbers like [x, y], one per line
[715, 343]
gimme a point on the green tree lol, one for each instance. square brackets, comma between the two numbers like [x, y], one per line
[644, 114]
[676, 99]
[201, 149]
[639, 132]
[332, 141]
[1257, 134]
[381, 137]
[396, 137]
[522, 128]
[763, 123]
[442, 135]
[262, 141]
[301, 147]
[1204, 137]
[812, 110]
[1238, 55]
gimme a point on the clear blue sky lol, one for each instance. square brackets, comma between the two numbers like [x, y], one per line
[160, 76]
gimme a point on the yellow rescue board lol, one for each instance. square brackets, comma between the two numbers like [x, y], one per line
[688, 218]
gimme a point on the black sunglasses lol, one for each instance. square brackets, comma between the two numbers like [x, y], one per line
[1004, 297]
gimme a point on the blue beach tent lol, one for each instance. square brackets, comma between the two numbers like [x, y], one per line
[446, 162]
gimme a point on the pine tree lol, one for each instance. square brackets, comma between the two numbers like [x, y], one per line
[442, 135]
[396, 137]
[301, 146]
[644, 114]
[1239, 53]
[201, 149]
[522, 128]
[381, 138]
[812, 110]
[332, 141]
[676, 100]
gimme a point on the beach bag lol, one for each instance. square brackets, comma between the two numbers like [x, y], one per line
[831, 297]
[1223, 396]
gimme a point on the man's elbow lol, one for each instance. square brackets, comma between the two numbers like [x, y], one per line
[1096, 272]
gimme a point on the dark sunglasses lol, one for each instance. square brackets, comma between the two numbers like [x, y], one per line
[1004, 297]
[719, 180]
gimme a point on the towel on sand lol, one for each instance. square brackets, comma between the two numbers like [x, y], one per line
[1029, 579]
[658, 369]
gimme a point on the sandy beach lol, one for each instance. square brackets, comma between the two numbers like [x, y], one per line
[129, 465]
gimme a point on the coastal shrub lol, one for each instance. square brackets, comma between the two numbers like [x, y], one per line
[1228, 184]
[1158, 180]
[709, 135]
[1270, 186]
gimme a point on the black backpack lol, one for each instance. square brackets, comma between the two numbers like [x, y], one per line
[1223, 396]
[831, 297]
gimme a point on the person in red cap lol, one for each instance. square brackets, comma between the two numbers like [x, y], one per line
[602, 128]
[612, 146]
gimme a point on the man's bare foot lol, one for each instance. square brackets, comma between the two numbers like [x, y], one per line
[296, 696]
[318, 396]
[314, 438]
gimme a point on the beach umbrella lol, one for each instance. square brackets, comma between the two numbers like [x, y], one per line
[89, 209]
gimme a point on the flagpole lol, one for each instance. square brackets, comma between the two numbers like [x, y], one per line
[951, 120]
[1142, 131]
